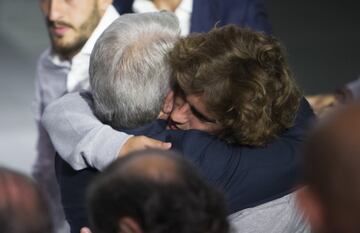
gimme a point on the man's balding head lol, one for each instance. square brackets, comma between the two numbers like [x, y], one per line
[23, 208]
[153, 165]
[331, 166]
[154, 191]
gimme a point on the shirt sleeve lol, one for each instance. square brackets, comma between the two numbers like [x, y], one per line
[78, 136]
[43, 164]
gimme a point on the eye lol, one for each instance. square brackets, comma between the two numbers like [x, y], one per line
[201, 117]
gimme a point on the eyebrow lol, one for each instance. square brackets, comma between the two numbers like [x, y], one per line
[201, 116]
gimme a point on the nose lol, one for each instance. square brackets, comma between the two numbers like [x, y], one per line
[55, 10]
[180, 113]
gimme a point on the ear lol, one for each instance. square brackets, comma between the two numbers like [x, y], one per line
[168, 103]
[103, 5]
[129, 225]
[310, 205]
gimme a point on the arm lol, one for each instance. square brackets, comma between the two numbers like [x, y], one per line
[82, 140]
[78, 136]
[248, 176]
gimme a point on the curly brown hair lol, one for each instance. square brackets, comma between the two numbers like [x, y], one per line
[243, 78]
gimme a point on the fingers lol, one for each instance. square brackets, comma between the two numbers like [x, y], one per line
[156, 144]
[322, 103]
[142, 142]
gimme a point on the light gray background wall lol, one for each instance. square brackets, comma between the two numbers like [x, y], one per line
[322, 39]
[22, 38]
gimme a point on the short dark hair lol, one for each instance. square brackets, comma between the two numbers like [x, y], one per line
[243, 79]
[182, 205]
[23, 208]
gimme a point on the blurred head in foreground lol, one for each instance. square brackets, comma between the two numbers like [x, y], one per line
[23, 208]
[331, 199]
[154, 191]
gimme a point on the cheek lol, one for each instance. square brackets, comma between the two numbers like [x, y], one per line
[87, 10]
[194, 123]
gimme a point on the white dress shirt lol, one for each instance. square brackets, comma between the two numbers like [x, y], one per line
[55, 78]
[182, 12]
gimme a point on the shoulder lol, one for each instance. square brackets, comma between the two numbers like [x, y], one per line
[43, 61]
[305, 115]
[45, 55]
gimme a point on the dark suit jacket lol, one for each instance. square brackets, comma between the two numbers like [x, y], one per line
[208, 13]
[248, 176]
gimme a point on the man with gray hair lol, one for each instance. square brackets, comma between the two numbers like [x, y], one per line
[233, 169]
[132, 52]
[128, 59]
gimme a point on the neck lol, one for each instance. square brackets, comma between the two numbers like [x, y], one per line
[68, 56]
[169, 5]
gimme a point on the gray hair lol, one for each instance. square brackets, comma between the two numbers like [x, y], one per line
[129, 71]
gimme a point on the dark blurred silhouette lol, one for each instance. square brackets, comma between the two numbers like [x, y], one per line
[154, 191]
[331, 199]
[23, 208]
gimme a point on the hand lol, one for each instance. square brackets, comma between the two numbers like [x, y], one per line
[85, 230]
[142, 142]
[322, 103]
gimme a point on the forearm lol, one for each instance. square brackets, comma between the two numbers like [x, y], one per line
[78, 136]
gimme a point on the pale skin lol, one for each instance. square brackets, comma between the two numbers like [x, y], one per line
[325, 103]
[169, 5]
[71, 22]
[322, 103]
[190, 112]
[126, 225]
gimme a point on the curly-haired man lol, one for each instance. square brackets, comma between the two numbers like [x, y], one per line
[235, 83]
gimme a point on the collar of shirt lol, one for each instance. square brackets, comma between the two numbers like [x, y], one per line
[78, 75]
[182, 12]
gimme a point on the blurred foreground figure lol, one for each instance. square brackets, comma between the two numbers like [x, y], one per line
[331, 199]
[154, 191]
[23, 208]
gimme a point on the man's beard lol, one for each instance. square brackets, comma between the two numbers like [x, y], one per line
[68, 49]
